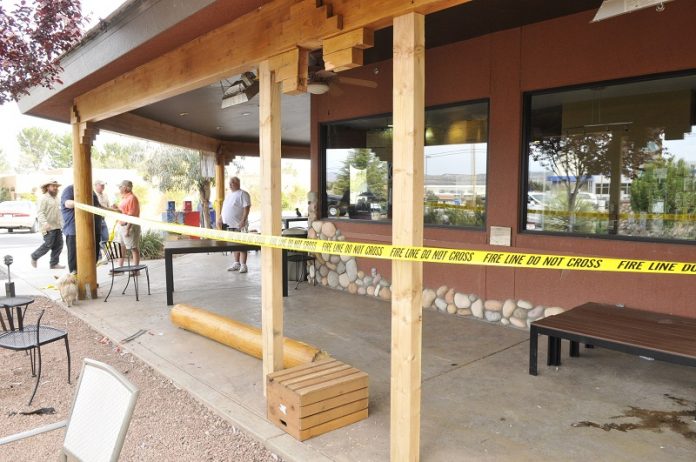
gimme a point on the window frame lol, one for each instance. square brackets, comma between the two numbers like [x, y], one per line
[524, 155]
[323, 137]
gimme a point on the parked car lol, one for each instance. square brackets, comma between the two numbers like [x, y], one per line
[336, 206]
[18, 215]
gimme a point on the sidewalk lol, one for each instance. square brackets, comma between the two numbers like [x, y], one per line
[478, 401]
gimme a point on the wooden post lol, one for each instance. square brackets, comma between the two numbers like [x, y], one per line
[83, 135]
[219, 185]
[271, 259]
[407, 230]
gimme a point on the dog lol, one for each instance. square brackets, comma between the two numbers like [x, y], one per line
[67, 286]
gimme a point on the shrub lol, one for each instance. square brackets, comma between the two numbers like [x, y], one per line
[151, 246]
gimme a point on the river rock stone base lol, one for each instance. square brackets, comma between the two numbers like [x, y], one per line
[342, 273]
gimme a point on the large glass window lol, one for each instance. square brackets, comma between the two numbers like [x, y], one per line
[616, 160]
[358, 164]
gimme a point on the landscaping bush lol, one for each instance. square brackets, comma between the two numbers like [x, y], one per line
[151, 246]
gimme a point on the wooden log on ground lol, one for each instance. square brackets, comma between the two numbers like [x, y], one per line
[240, 336]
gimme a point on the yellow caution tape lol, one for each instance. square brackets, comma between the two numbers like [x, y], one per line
[419, 254]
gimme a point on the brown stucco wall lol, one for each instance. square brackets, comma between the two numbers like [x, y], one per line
[501, 66]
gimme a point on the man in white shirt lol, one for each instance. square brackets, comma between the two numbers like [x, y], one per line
[235, 214]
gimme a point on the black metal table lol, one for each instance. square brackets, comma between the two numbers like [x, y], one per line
[288, 220]
[17, 302]
[195, 246]
[28, 338]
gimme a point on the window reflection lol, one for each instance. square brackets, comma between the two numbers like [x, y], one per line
[358, 163]
[614, 160]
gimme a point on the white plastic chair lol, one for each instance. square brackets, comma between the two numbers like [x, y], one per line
[99, 417]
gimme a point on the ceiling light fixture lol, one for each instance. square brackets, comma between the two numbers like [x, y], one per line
[246, 114]
[610, 8]
[240, 91]
[183, 114]
[317, 88]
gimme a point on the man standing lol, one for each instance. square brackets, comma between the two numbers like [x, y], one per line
[234, 215]
[48, 216]
[127, 234]
[104, 203]
[67, 209]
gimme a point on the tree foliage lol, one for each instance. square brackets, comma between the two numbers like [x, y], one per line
[35, 147]
[178, 169]
[32, 38]
[664, 181]
[117, 155]
[5, 166]
[375, 170]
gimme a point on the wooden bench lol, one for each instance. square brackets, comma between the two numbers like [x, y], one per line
[644, 333]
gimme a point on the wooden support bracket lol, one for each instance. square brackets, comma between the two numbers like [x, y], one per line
[345, 51]
[291, 70]
[310, 19]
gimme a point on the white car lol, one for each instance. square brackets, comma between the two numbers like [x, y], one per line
[18, 215]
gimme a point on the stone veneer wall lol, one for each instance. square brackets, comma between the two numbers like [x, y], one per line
[342, 273]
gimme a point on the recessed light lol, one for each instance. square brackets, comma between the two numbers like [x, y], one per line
[218, 127]
[183, 114]
[244, 114]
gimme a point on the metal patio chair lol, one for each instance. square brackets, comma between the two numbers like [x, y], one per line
[30, 338]
[114, 251]
[99, 418]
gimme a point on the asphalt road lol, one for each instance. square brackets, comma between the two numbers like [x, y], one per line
[20, 244]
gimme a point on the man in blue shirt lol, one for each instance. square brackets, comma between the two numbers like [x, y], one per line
[67, 209]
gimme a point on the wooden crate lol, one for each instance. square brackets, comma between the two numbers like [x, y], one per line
[315, 398]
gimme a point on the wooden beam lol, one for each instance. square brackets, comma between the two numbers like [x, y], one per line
[83, 137]
[291, 70]
[233, 149]
[142, 127]
[407, 230]
[345, 51]
[271, 259]
[239, 46]
[220, 185]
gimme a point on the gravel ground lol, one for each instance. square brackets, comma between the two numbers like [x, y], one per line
[168, 424]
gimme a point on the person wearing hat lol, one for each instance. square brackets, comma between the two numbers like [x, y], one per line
[48, 216]
[127, 234]
[104, 203]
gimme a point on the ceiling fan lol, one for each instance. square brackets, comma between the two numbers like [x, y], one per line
[322, 81]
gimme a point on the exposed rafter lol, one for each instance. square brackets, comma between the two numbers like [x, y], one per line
[241, 45]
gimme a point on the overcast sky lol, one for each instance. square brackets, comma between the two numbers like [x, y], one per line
[12, 121]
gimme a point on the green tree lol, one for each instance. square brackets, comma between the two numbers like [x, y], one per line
[5, 166]
[35, 147]
[61, 155]
[178, 169]
[117, 155]
[664, 181]
[376, 173]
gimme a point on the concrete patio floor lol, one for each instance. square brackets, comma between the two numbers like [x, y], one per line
[478, 401]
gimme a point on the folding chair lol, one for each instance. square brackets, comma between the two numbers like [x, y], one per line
[114, 251]
[99, 417]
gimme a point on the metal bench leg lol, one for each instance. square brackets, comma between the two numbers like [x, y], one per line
[533, 347]
[574, 349]
[147, 275]
[550, 352]
[127, 283]
[38, 376]
[557, 351]
[112, 286]
[135, 283]
[67, 350]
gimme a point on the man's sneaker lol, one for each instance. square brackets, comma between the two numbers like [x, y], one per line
[57, 267]
[235, 267]
[243, 269]
[33, 263]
